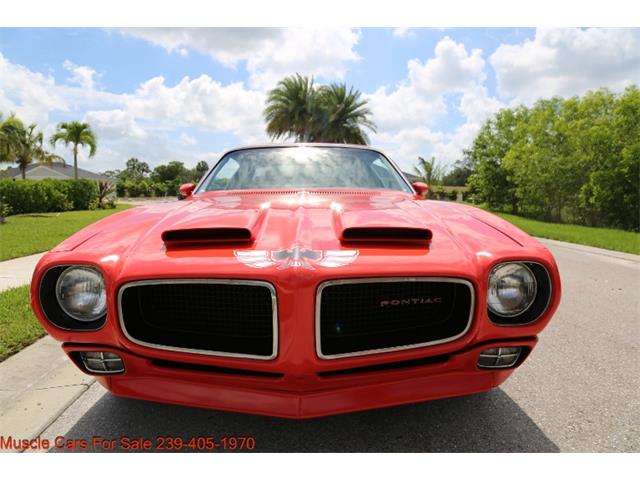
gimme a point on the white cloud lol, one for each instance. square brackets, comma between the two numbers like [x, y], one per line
[137, 123]
[452, 69]
[30, 95]
[81, 75]
[114, 124]
[403, 32]
[419, 99]
[201, 102]
[186, 139]
[269, 53]
[406, 116]
[229, 46]
[567, 62]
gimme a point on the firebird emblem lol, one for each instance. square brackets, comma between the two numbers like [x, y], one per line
[296, 257]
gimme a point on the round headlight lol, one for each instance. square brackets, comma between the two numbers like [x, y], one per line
[512, 289]
[81, 294]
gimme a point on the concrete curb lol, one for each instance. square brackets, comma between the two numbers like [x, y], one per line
[36, 386]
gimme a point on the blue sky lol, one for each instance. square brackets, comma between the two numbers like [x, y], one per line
[189, 94]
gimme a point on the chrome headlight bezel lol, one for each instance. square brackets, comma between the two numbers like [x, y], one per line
[536, 308]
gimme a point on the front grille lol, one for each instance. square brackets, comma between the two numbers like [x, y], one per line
[222, 317]
[361, 316]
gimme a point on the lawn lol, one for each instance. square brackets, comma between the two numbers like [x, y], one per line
[18, 326]
[38, 232]
[608, 238]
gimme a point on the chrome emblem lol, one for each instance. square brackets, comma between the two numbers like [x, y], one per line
[296, 257]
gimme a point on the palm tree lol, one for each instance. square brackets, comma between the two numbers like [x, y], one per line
[292, 109]
[23, 145]
[429, 171]
[10, 138]
[345, 115]
[77, 134]
[331, 113]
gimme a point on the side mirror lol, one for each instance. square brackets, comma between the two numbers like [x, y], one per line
[186, 189]
[421, 188]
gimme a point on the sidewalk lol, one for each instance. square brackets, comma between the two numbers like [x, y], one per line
[18, 271]
[38, 383]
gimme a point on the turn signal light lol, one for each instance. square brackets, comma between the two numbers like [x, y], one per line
[102, 362]
[499, 357]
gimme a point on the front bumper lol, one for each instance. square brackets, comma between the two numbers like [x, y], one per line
[312, 395]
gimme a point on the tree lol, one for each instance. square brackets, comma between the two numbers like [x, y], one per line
[173, 171]
[77, 134]
[459, 175]
[344, 115]
[573, 160]
[429, 171]
[199, 170]
[23, 145]
[490, 178]
[298, 109]
[11, 134]
[135, 170]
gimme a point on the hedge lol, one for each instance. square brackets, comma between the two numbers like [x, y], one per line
[48, 195]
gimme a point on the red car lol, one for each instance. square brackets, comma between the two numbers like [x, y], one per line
[298, 281]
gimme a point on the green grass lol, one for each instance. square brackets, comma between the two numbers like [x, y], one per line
[608, 238]
[18, 325]
[38, 232]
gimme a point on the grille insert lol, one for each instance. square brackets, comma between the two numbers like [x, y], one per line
[217, 317]
[363, 316]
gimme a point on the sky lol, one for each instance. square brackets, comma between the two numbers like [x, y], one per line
[189, 94]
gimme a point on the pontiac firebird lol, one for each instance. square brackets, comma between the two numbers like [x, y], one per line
[298, 280]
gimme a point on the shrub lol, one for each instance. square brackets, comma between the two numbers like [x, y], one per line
[49, 195]
[81, 192]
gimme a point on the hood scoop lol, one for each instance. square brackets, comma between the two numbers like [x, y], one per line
[386, 234]
[206, 236]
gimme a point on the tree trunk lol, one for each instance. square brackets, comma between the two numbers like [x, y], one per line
[75, 162]
[23, 170]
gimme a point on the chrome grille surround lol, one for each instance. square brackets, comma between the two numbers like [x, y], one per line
[256, 283]
[318, 339]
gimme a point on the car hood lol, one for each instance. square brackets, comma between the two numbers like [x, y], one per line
[234, 232]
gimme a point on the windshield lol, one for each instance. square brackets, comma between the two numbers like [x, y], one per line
[303, 167]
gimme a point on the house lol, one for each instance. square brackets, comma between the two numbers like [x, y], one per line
[59, 171]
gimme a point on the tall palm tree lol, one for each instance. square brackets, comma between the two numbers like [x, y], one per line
[11, 131]
[297, 109]
[77, 134]
[429, 171]
[23, 145]
[346, 115]
[292, 109]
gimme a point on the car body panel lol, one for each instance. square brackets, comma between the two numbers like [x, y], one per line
[304, 228]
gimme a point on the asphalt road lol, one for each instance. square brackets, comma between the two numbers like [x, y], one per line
[577, 392]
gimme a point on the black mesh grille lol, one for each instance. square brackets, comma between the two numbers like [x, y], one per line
[215, 317]
[356, 317]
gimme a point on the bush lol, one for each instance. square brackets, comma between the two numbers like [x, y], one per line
[30, 196]
[81, 192]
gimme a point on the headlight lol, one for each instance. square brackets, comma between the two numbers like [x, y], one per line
[81, 293]
[512, 289]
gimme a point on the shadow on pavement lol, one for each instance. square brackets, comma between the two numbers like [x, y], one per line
[490, 422]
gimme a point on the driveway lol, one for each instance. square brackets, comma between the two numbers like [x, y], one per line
[579, 390]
